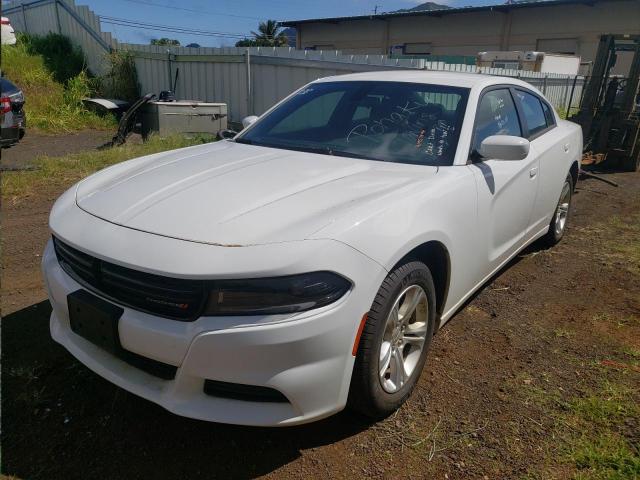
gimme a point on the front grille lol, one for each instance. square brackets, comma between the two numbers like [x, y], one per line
[174, 298]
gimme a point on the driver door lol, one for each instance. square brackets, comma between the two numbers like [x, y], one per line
[506, 189]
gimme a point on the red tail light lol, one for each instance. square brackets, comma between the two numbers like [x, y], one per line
[5, 105]
[5, 21]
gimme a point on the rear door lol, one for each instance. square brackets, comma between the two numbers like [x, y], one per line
[506, 189]
[552, 151]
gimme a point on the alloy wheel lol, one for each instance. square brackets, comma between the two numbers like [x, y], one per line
[403, 338]
[563, 209]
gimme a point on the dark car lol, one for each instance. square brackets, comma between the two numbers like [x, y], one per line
[12, 117]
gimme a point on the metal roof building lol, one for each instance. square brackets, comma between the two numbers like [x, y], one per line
[559, 26]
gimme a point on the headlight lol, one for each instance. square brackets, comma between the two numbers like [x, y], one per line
[267, 296]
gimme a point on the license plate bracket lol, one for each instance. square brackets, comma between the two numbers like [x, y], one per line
[95, 320]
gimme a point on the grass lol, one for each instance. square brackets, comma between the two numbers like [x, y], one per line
[632, 353]
[606, 457]
[594, 435]
[50, 106]
[602, 450]
[121, 79]
[628, 248]
[65, 170]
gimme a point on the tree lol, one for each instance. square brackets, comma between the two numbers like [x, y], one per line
[268, 35]
[165, 41]
[250, 42]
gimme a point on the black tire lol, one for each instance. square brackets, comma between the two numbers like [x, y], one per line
[366, 394]
[552, 237]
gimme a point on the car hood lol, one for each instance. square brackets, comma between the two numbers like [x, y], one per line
[236, 195]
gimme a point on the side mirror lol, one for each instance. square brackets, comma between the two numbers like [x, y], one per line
[222, 134]
[504, 147]
[246, 121]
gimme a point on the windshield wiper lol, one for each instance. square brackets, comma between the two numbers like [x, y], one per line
[345, 153]
[326, 151]
[306, 148]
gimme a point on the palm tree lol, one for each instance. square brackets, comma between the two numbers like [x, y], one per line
[269, 34]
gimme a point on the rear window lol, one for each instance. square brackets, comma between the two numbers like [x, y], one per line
[548, 114]
[533, 113]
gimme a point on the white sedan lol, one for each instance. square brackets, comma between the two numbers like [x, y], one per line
[305, 265]
[7, 34]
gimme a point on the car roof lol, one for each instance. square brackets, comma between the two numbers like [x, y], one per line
[454, 79]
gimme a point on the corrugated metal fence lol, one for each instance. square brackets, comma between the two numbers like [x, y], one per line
[248, 80]
[252, 80]
[77, 22]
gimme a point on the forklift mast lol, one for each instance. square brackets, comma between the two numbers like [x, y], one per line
[609, 111]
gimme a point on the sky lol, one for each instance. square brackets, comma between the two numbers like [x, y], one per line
[230, 18]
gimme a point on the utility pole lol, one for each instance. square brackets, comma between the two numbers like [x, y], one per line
[375, 9]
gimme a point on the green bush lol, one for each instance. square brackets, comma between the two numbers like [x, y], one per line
[50, 105]
[63, 59]
[121, 79]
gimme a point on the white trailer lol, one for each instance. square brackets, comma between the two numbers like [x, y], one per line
[531, 61]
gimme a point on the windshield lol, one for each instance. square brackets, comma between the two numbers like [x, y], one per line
[389, 121]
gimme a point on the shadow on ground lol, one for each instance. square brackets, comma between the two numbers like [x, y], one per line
[60, 420]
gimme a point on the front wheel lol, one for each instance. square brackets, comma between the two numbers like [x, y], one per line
[558, 224]
[394, 342]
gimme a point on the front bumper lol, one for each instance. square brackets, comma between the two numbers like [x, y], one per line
[306, 357]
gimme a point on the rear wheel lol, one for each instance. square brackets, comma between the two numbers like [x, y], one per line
[394, 342]
[558, 224]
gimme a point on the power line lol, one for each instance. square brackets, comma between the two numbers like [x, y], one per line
[169, 30]
[205, 12]
[174, 28]
[140, 25]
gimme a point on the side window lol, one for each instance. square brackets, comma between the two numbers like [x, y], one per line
[533, 113]
[496, 115]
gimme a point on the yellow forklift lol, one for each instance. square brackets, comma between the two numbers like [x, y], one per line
[609, 111]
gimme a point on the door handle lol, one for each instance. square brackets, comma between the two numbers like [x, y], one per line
[533, 172]
[566, 147]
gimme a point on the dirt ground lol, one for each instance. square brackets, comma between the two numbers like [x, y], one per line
[497, 398]
[35, 144]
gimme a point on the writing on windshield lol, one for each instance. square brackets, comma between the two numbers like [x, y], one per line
[390, 121]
